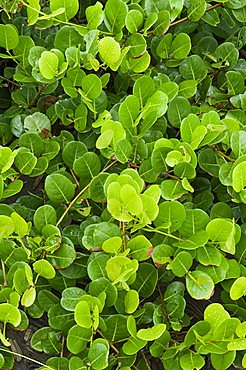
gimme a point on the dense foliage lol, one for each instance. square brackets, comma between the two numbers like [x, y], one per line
[130, 118]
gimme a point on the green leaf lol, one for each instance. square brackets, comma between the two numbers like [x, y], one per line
[6, 158]
[196, 10]
[191, 360]
[237, 345]
[115, 13]
[28, 297]
[199, 285]
[98, 355]
[123, 150]
[171, 216]
[94, 15]
[48, 64]
[59, 188]
[239, 177]
[21, 226]
[44, 215]
[9, 38]
[78, 338]
[7, 226]
[46, 339]
[133, 345]
[238, 143]
[181, 46]
[44, 268]
[128, 111]
[187, 88]
[25, 161]
[143, 88]
[193, 68]
[116, 328]
[72, 151]
[227, 54]
[210, 161]
[156, 103]
[151, 333]
[161, 254]
[140, 247]
[181, 264]
[172, 189]
[71, 8]
[9, 314]
[131, 301]
[163, 48]
[222, 360]
[208, 256]
[70, 297]
[238, 288]
[92, 86]
[87, 166]
[104, 285]
[36, 122]
[63, 256]
[178, 109]
[82, 315]
[109, 50]
[222, 231]
[134, 20]
[146, 280]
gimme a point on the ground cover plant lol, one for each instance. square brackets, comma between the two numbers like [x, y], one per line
[123, 183]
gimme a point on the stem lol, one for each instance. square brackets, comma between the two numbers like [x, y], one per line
[63, 345]
[146, 360]
[74, 177]
[4, 274]
[36, 97]
[80, 194]
[123, 229]
[152, 230]
[54, 18]
[186, 18]
[11, 82]
[27, 358]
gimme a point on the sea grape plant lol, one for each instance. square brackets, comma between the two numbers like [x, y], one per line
[127, 117]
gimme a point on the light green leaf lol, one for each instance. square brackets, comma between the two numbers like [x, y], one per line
[109, 50]
[71, 8]
[151, 333]
[196, 10]
[9, 38]
[181, 264]
[92, 86]
[44, 268]
[48, 64]
[82, 315]
[94, 15]
[199, 285]
[238, 288]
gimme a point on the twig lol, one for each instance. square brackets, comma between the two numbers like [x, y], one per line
[36, 97]
[146, 360]
[4, 274]
[27, 358]
[74, 177]
[186, 18]
[80, 194]
[11, 82]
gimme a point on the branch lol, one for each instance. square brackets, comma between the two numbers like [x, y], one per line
[186, 18]
[80, 194]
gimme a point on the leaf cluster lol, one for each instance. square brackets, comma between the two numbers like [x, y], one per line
[129, 117]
